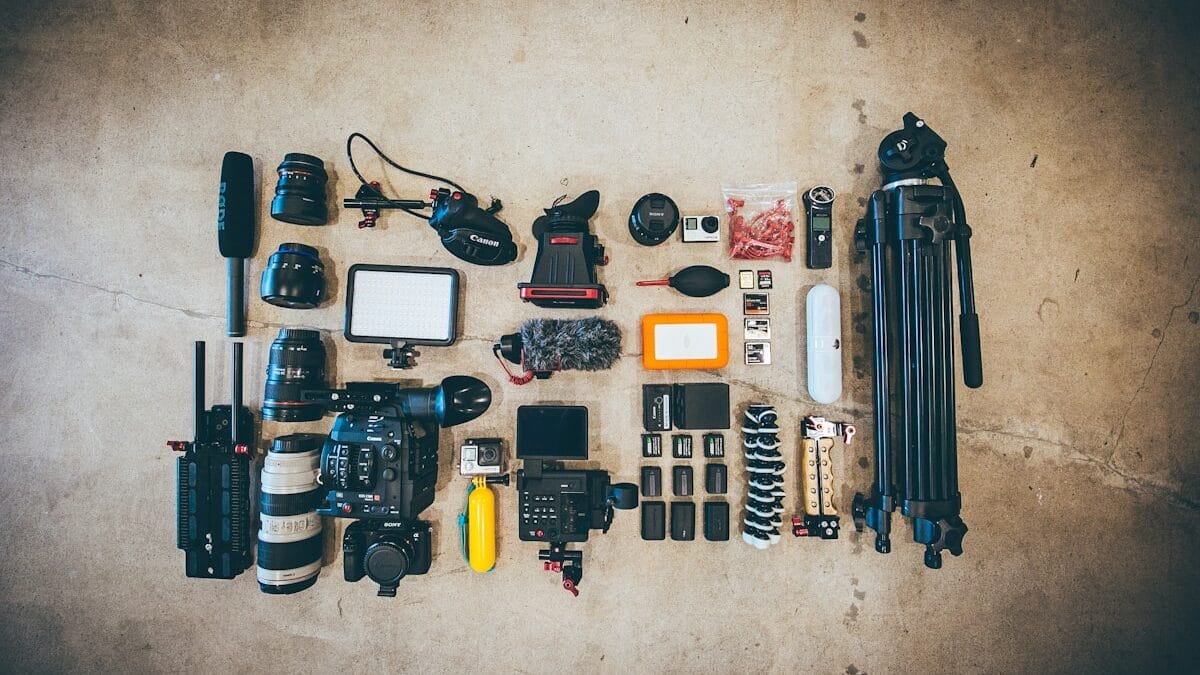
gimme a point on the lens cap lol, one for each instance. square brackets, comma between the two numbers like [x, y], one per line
[385, 562]
[654, 219]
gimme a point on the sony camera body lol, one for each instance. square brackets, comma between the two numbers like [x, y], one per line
[386, 551]
[481, 457]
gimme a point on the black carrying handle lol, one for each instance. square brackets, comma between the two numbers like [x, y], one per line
[968, 320]
[968, 328]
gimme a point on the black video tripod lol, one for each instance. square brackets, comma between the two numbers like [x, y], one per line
[908, 227]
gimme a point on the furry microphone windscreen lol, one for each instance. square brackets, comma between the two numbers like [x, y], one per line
[570, 344]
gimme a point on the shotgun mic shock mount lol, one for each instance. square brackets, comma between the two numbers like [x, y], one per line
[907, 230]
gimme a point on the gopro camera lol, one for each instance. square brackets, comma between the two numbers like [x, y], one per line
[481, 457]
[701, 228]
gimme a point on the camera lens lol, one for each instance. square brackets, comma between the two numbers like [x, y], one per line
[289, 539]
[487, 454]
[294, 277]
[297, 362]
[300, 192]
[709, 224]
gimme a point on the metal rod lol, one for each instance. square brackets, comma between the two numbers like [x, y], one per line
[235, 394]
[198, 393]
[943, 339]
[920, 373]
[883, 417]
[906, 366]
[930, 352]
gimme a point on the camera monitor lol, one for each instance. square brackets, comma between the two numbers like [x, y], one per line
[414, 305]
[554, 432]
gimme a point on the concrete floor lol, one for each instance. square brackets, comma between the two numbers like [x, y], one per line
[1073, 132]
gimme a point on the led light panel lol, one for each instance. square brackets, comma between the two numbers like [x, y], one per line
[415, 305]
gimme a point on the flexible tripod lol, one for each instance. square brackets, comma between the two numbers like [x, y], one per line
[908, 227]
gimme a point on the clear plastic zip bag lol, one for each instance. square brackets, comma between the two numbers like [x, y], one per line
[761, 220]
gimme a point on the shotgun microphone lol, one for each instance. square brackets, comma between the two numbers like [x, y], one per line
[235, 232]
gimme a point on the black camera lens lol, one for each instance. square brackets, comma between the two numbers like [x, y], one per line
[709, 224]
[294, 277]
[300, 192]
[289, 538]
[297, 362]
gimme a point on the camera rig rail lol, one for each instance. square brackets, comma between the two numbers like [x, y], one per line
[213, 518]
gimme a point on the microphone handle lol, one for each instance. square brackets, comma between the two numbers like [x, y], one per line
[235, 311]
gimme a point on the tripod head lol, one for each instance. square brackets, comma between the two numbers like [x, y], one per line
[916, 151]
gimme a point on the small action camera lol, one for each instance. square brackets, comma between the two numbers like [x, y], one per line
[481, 457]
[701, 228]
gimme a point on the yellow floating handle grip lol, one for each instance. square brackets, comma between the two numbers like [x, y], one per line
[481, 526]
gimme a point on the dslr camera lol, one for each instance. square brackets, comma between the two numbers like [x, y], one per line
[386, 551]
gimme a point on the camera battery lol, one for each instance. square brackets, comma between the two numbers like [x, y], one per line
[683, 521]
[716, 521]
[714, 445]
[656, 407]
[758, 353]
[755, 304]
[651, 445]
[654, 521]
[681, 446]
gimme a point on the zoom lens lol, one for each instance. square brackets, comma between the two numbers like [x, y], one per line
[289, 540]
[297, 362]
[300, 192]
[294, 277]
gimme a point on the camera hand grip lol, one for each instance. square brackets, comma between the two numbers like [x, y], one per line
[968, 326]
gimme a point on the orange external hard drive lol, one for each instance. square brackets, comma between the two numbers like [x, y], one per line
[680, 341]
